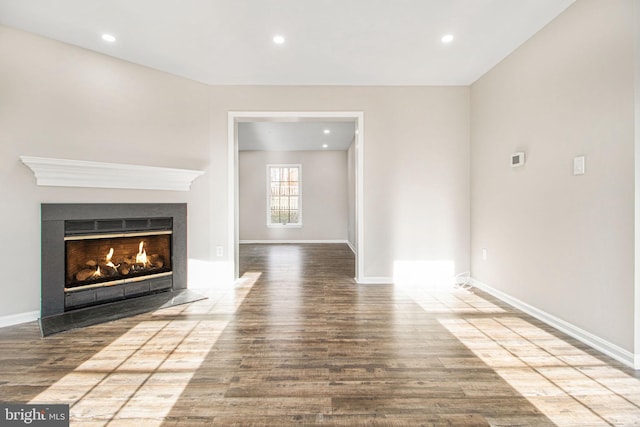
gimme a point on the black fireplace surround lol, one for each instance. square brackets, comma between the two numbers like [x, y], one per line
[70, 300]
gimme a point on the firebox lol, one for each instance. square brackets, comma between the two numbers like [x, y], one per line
[103, 260]
[98, 255]
[111, 259]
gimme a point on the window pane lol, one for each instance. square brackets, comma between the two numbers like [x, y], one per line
[294, 174]
[284, 194]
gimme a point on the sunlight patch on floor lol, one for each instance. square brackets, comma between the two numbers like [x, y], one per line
[152, 362]
[535, 363]
[454, 300]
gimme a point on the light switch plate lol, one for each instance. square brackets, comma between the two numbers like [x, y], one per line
[578, 165]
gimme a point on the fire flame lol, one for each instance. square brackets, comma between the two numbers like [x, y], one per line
[108, 259]
[141, 257]
[97, 273]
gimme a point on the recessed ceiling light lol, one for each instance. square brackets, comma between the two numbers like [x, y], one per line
[327, 131]
[108, 38]
[324, 145]
[278, 39]
[447, 38]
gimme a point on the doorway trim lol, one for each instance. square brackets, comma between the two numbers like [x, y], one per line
[235, 117]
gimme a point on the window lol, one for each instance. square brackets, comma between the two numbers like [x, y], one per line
[283, 196]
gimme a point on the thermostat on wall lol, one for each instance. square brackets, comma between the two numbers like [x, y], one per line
[517, 159]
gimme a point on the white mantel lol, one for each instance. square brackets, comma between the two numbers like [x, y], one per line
[81, 173]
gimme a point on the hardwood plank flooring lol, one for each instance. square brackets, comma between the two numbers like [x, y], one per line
[297, 342]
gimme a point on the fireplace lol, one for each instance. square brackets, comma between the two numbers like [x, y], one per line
[103, 261]
[133, 260]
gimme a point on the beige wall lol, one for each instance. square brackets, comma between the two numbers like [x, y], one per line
[561, 243]
[416, 164]
[62, 101]
[637, 176]
[324, 195]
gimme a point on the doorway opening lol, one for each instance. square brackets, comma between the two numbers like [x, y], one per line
[235, 119]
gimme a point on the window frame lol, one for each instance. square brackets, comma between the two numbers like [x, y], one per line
[268, 204]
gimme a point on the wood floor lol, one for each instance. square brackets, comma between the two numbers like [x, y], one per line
[298, 343]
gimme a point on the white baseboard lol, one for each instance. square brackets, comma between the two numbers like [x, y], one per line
[353, 249]
[371, 280]
[612, 350]
[15, 319]
[249, 242]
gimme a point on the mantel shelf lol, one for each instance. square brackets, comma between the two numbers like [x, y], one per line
[81, 173]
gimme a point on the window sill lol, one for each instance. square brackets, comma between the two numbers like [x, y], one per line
[284, 225]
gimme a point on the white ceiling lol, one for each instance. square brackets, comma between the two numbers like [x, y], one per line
[328, 42]
[295, 136]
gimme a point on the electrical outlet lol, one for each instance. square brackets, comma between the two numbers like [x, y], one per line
[485, 254]
[219, 251]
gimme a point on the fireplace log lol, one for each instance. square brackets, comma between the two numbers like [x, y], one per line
[91, 263]
[107, 270]
[124, 268]
[84, 274]
[156, 261]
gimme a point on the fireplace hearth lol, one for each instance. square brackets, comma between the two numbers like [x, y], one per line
[105, 261]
